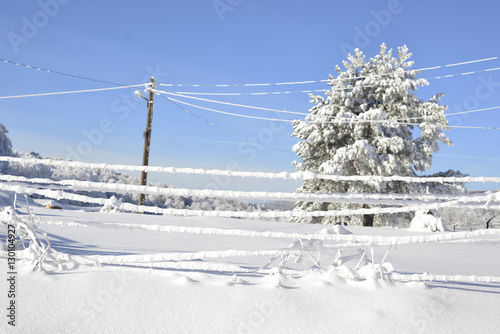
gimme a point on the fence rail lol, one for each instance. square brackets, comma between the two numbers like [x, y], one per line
[280, 175]
[381, 203]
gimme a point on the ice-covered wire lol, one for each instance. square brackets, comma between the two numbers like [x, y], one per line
[229, 103]
[231, 114]
[335, 120]
[218, 127]
[331, 89]
[471, 111]
[339, 79]
[255, 93]
[331, 117]
[61, 73]
[259, 84]
[459, 63]
[72, 92]
[405, 119]
[463, 73]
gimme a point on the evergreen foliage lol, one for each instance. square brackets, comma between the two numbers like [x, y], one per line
[370, 122]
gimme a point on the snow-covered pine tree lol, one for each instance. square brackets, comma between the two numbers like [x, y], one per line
[370, 123]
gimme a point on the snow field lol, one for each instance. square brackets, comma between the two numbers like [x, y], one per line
[119, 272]
[91, 294]
[97, 300]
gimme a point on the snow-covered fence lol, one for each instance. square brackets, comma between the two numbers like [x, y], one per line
[316, 246]
[463, 202]
[349, 240]
[280, 175]
[323, 251]
[398, 202]
[381, 199]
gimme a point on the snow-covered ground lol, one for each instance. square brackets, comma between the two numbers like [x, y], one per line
[132, 273]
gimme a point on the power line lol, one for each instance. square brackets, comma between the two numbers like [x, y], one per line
[473, 127]
[61, 73]
[253, 107]
[420, 117]
[123, 86]
[219, 127]
[255, 93]
[471, 111]
[464, 73]
[400, 122]
[263, 93]
[232, 104]
[325, 80]
[264, 84]
[307, 114]
[231, 114]
[341, 119]
[461, 63]
[332, 89]
[71, 92]
[184, 94]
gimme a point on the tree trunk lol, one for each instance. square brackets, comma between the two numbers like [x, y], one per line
[367, 219]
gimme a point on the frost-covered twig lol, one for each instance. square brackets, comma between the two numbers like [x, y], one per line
[316, 262]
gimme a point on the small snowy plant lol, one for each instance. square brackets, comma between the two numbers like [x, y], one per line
[29, 239]
[369, 123]
[326, 257]
[113, 204]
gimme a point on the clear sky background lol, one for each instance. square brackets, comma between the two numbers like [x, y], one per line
[230, 42]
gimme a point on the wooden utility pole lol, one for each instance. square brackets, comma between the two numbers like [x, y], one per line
[147, 138]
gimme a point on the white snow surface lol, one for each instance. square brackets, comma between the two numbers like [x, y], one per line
[130, 273]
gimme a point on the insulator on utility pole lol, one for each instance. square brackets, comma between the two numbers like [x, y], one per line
[147, 138]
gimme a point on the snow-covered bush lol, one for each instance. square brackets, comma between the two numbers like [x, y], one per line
[111, 205]
[426, 221]
[370, 123]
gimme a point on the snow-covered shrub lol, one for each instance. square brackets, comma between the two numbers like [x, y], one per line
[112, 205]
[426, 221]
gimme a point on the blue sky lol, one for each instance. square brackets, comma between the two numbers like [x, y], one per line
[230, 42]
